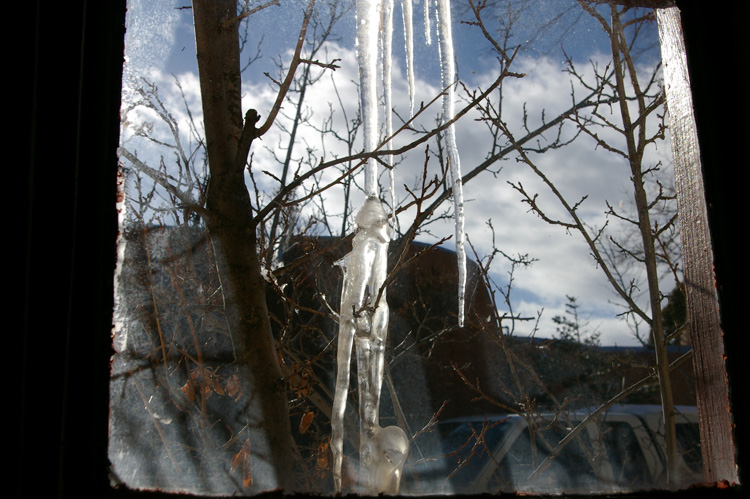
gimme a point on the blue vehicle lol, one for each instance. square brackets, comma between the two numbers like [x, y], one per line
[621, 450]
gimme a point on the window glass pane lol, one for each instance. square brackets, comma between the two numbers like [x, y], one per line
[629, 466]
[689, 442]
[570, 471]
[229, 291]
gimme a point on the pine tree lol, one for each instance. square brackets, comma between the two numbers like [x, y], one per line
[572, 328]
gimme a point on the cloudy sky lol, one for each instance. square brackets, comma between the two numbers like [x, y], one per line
[160, 47]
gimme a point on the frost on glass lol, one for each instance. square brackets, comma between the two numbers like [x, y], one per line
[450, 253]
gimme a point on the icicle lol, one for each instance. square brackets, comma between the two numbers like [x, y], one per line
[427, 27]
[368, 20]
[387, 90]
[390, 449]
[364, 318]
[408, 17]
[392, 189]
[448, 75]
[363, 313]
[387, 62]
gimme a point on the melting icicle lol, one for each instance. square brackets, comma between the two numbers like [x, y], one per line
[408, 16]
[368, 21]
[364, 318]
[363, 313]
[387, 90]
[390, 448]
[448, 74]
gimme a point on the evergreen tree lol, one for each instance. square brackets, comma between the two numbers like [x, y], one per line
[572, 328]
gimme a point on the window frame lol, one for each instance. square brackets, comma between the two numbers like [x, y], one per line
[74, 124]
[705, 330]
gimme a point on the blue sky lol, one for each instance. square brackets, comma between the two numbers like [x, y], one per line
[161, 44]
[547, 25]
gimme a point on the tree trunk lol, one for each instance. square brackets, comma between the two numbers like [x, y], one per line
[261, 415]
[635, 148]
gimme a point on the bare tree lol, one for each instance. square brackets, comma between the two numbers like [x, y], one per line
[620, 85]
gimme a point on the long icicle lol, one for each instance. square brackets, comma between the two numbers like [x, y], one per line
[368, 22]
[363, 324]
[448, 75]
[407, 13]
[387, 43]
[427, 27]
[363, 318]
[358, 286]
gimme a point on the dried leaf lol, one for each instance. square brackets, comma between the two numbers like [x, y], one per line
[233, 387]
[300, 380]
[307, 419]
[241, 462]
[188, 390]
[212, 381]
[324, 453]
